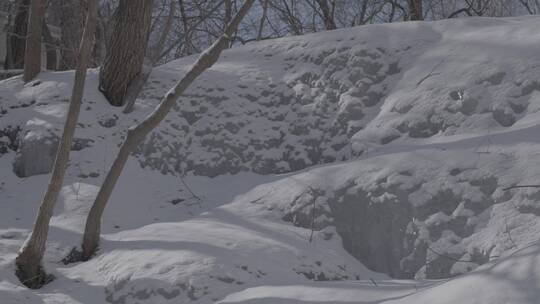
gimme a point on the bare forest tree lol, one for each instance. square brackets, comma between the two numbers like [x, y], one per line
[199, 22]
[70, 15]
[150, 60]
[327, 9]
[29, 260]
[532, 6]
[16, 37]
[138, 132]
[416, 11]
[264, 4]
[50, 47]
[126, 49]
[32, 53]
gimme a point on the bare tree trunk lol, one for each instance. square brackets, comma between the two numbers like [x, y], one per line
[188, 49]
[8, 28]
[100, 49]
[16, 41]
[151, 58]
[29, 260]
[126, 49]
[328, 14]
[50, 46]
[136, 133]
[71, 27]
[415, 10]
[228, 14]
[263, 18]
[32, 54]
[395, 5]
[227, 17]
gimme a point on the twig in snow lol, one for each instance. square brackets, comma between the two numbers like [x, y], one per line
[373, 281]
[197, 198]
[431, 73]
[426, 77]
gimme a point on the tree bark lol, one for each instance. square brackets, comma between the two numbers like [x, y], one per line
[416, 12]
[151, 59]
[187, 48]
[228, 13]
[50, 47]
[15, 39]
[264, 4]
[9, 29]
[29, 260]
[136, 133]
[328, 14]
[100, 49]
[126, 49]
[32, 54]
[71, 28]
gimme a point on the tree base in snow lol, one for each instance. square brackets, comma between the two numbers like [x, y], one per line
[74, 256]
[32, 277]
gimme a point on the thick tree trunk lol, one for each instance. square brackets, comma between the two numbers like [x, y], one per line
[415, 10]
[151, 59]
[32, 54]
[126, 49]
[136, 133]
[29, 269]
[16, 38]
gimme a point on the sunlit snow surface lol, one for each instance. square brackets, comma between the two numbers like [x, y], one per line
[417, 107]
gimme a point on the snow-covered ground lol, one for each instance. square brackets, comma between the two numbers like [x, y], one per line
[312, 169]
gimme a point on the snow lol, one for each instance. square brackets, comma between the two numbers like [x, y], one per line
[298, 170]
[512, 280]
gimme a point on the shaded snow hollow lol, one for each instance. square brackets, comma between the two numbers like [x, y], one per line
[387, 146]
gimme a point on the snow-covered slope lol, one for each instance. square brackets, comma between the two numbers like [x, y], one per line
[285, 104]
[287, 160]
[511, 280]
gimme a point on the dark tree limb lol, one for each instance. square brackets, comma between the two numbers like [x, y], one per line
[521, 186]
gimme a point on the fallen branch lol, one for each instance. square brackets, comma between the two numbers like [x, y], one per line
[521, 186]
[431, 73]
[197, 198]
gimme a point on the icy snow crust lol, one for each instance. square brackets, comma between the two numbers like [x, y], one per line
[318, 166]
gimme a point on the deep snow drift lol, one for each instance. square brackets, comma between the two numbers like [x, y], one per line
[308, 169]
